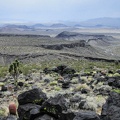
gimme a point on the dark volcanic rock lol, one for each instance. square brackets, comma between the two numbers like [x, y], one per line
[68, 70]
[111, 81]
[66, 84]
[61, 69]
[114, 81]
[82, 115]
[1, 95]
[85, 91]
[28, 111]
[9, 117]
[118, 71]
[86, 115]
[110, 72]
[75, 99]
[67, 115]
[20, 84]
[81, 43]
[3, 88]
[32, 96]
[54, 106]
[100, 79]
[82, 103]
[111, 109]
[46, 71]
[46, 80]
[53, 47]
[45, 117]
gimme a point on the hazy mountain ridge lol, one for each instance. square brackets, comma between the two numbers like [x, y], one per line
[101, 22]
[97, 23]
[58, 25]
[16, 26]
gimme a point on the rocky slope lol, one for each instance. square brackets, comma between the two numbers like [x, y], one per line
[78, 36]
[60, 93]
[35, 48]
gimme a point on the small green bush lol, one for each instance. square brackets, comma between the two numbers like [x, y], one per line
[2, 112]
[1, 83]
[3, 71]
[116, 74]
[117, 90]
[57, 88]
[79, 87]
[53, 83]
[74, 81]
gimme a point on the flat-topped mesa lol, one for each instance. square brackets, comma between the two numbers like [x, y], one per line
[78, 36]
[23, 35]
[81, 43]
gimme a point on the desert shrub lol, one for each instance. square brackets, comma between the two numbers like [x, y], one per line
[3, 71]
[100, 100]
[1, 84]
[2, 112]
[90, 106]
[57, 88]
[117, 90]
[74, 81]
[116, 74]
[84, 78]
[53, 83]
[90, 78]
[28, 68]
[81, 86]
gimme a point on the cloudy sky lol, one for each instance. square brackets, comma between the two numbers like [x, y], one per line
[57, 10]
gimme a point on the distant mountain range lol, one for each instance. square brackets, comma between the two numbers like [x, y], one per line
[37, 25]
[58, 25]
[16, 26]
[101, 22]
[96, 23]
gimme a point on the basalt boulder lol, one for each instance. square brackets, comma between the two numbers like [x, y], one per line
[45, 117]
[111, 109]
[61, 69]
[114, 82]
[86, 115]
[68, 115]
[32, 96]
[28, 111]
[54, 106]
